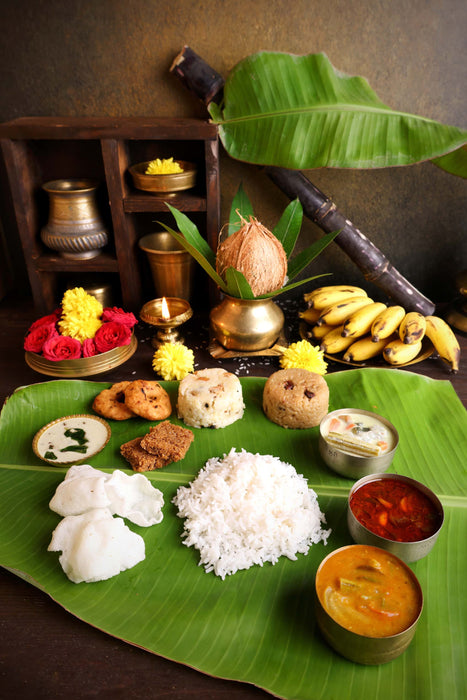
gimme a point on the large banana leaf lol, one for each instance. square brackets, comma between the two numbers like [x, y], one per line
[299, 112]
[258, 625]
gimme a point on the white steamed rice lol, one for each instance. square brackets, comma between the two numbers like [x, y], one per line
[248, 509]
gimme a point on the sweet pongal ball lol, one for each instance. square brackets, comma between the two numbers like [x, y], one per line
[296, 398]
[210, 398]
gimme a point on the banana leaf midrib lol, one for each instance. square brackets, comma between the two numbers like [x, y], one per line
[325, 109]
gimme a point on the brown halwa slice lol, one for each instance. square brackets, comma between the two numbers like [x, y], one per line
[167, 441]
[139, 459]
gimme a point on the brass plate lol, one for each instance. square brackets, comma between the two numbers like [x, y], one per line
[164, 184]
[41, 446]
[84, 366]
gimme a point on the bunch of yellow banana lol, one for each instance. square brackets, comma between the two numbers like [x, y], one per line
[343, 318]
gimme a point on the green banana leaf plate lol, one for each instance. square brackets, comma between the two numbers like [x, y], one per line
[258, 625]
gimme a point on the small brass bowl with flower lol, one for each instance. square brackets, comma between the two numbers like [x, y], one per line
[164, 183]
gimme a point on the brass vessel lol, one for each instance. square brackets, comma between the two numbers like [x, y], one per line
[166, 184]
[246, 324]
[180, 311]
[172, 267]
[74, 228]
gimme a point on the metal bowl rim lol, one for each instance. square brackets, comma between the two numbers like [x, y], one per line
[408, 480]
[401, 562]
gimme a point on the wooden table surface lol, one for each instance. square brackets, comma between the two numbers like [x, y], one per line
[46, 653]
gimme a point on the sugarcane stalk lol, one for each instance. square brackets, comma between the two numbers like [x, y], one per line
[207, 85]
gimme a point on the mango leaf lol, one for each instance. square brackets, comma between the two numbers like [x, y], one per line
[305, 257]
[242, 203]
[193, 236]
[299, 112]
[236, 284]
[288, 227]
[195, 252]
[257, 626]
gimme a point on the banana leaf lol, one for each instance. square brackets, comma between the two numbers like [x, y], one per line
[299, 112]
[258, 625]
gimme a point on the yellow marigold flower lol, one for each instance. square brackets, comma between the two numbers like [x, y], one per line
[305, 356]
[166, 166]
[173, 361]
[81, 314]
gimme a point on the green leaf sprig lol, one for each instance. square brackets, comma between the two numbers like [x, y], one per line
[286, 231]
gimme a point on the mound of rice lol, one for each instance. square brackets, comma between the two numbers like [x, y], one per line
[248, 509]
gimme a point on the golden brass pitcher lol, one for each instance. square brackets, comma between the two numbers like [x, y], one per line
[74, 228]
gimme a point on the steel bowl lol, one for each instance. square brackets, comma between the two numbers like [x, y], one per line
[166, 183]
[357, 647]
[350, 465]
[407, 551]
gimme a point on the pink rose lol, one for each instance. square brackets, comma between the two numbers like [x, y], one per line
[112, 335]
[61, 347]
[126, 318]
[89, 348]
[38, 335]
[45, 320]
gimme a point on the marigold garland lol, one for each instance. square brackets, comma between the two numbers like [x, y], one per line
[305, 356]
[173, 361]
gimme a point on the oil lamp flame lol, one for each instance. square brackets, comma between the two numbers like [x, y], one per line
[165, 309]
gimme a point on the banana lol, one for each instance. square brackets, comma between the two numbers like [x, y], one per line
[330, 296]
[364, 349]
[332, 288]
[444, 341]
[412, 327]
[386, 323]
[397, 352]
[310, 315]
[318, 332]
[359, 323]
[338, 312]
[334, 341]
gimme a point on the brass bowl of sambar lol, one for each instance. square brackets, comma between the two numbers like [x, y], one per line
[359, 609]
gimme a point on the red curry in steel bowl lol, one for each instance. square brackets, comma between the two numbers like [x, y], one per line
[396, 513]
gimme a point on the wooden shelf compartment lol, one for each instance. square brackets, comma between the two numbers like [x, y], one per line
[36, 150]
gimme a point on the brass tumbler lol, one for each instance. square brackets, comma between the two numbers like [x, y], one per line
[171, 265]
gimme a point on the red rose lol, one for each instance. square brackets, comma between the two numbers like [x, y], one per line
[112, 335]
[45, 320]
[119, 316]
[61, 347]
[38, 335]
[89, 348]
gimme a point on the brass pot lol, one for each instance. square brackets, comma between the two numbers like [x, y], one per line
[74, 228]
[246, 324]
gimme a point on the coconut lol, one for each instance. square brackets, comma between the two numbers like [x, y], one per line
[255, 252]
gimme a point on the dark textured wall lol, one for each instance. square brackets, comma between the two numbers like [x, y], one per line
[112, 57]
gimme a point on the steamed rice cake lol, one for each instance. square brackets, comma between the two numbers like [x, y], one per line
[210, 398]
[296, 398]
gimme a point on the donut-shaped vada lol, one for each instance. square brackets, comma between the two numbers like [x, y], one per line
[110, 403]
[148, 400]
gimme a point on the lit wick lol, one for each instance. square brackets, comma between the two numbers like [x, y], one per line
[165, 310]
[167, 320]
